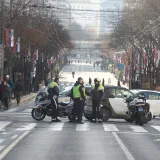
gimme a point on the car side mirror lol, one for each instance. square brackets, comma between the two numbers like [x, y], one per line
[111, 96]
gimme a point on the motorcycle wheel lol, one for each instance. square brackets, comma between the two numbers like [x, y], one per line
[141, 119]
[70, 117]
[37, 114]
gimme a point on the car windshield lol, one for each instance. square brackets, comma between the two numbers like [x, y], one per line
[134, 91]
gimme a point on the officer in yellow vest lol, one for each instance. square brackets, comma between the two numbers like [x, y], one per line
[78, 94]
[53, 91]
[97, 93]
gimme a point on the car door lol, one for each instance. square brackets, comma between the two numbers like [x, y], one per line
[153, 100]
[118, 104]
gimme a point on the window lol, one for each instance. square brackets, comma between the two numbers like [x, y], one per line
[153, 96]
[121, 92]
[109, 91]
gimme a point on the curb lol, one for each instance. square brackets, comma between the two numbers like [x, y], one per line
[24, 100]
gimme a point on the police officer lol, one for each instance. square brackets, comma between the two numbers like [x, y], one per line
[53, 95]
[78, 92]
[97, 93]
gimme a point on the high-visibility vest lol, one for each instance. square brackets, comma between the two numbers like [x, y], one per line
[100, 88]
[84, 91]
[53, 84]
[76, 92]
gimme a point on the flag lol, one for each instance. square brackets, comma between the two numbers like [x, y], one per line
[144, 58]
[9, 38]
[29, 51]
[155, 54]
[37, 55]
[18, 45]
[34, 55]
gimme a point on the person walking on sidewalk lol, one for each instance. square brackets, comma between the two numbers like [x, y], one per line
[18, 91]
[73, 73]
[78, 94]
[10, 83]
[53, 91]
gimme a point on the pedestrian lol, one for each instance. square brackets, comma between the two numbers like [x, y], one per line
[53, 91]
[78, 94]
[103, 82]
[73, 73]
[10, 83]
[109, 81]
[5, 89]
[118, 84]
[41, 86]
[18, 91]
[97, 93]
[90, 81]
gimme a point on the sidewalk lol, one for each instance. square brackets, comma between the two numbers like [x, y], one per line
[25, 98]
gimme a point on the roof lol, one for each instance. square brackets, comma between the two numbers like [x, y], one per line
[143, 90]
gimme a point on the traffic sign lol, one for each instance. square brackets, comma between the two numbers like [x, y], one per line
[121, 66]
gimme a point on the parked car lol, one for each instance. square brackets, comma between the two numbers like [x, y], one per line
[112, 105]
[153, 98]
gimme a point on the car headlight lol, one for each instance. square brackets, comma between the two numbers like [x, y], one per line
[101, 105]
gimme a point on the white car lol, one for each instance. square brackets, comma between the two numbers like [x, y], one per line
[153, 98]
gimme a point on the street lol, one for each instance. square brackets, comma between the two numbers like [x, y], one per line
[22, 138]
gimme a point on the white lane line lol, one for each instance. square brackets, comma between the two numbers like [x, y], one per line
[12, 110]
[110, 128]
[1, 147]
[138, 129]
[14, 137]
[1, 140]
[123, 147]
[27, 127]
[27, 110]
[4, 124]
[9, 148]
[156, 127]
[57, 126]
[83, 127]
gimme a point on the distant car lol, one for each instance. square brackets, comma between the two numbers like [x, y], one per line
[112, 105]
[153, 98]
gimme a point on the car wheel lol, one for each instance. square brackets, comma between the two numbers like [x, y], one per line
[105, 114]
[88, 117]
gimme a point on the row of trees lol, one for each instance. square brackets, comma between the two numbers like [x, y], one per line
[40, 31]
[138, 34]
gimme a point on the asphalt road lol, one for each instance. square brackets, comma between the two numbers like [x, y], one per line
[22, 138]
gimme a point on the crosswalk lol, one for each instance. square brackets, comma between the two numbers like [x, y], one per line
[87, 126]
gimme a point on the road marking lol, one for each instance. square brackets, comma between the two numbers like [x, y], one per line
[138, 129]
[27, 127]
[110, 128]
[1, 147]
[83, 127]
[27, 110]
[1, 140]
[10, 147]
[14, 137]
[12, 110]
[156, 127]
[123, 147]
[157, 140]
[57, 126]
[4, 124]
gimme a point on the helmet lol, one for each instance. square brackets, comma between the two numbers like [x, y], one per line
[97, 80]
[80, 78]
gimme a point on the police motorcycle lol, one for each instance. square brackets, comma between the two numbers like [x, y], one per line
[138, 109]
[43, 107]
